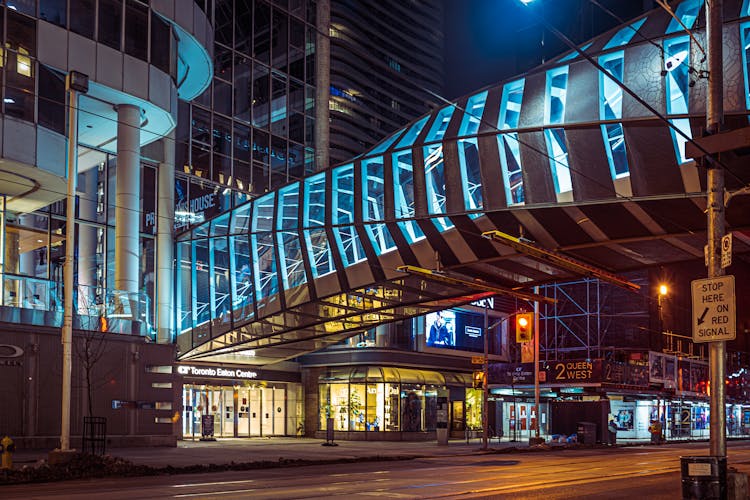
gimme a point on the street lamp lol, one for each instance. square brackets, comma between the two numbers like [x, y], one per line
[663, 291]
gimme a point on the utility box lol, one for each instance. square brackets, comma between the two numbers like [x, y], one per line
[704, 477]
[586, 432]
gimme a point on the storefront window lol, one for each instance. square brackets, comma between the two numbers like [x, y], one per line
[473, 408]
[324, 397]
[357, 407]
[412, 407]
[392, 412]
[340, 406]
[375, 407]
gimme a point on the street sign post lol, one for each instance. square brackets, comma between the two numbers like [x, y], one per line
[714, 310]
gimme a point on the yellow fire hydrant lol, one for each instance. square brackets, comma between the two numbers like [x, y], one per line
[7, 448]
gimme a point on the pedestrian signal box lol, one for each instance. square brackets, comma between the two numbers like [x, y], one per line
[524, 327]
[478, 380]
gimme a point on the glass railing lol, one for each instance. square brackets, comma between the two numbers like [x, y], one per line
[34, 301]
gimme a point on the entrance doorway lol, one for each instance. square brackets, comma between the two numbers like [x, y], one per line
[237, 411]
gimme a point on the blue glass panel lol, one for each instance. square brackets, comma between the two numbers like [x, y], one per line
[184, 287]
[510, 160]
[220, 225]
[676, 64]
[745, 8]
[403, 195]
[262, 243]
[201, 283]
[558, 153]
[318, 248]
[242, 278]
[610, 93]
[373, 204]
[614, 143]
[440, 125]
[409, 137]
[574, 54]
[434, 172]
[290, 248]
[221, 300]
[557, 85]
[510, 106]
[241, 219]
[473, 114]
[471, 175]
[380, 148]
[745, 32]
[624, 36]
[343, 215]
[683, 124]
[687, 12]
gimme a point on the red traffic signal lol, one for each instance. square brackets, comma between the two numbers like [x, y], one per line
[524, 327]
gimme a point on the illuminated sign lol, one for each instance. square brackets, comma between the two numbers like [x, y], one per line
[10, 355]
[215, 372]
[488, 303]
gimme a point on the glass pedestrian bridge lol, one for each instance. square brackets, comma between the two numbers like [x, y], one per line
[562, 156]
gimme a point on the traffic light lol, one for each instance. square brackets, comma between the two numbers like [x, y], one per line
[524, 327]
[478, 380]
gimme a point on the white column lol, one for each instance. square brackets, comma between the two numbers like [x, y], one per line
[127, 198]
[165, 245]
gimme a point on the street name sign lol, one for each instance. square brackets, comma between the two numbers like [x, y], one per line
[714, 310]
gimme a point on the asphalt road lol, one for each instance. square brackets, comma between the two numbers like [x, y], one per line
[648, 472]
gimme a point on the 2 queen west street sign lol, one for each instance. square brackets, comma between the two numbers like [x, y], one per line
[714, 310]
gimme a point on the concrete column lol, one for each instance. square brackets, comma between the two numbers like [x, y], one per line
[127, 198]
[322, 84]
[165, 245]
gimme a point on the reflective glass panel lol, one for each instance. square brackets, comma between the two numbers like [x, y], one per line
[403, 195]
[411, 136]
[343, 215]
[221, 300]
[473, 114]
[380, 148]
[316, 238]
[184, 287]
[471, 176]
[574, 54]
[687, 12]
[610, 100]
[373, 204]
[624, 36]
[440, 125]
[677, 65]
[558, 153]
[434, 172]
[614, 142]
[745, 32]
[290, 248]
[510, 161]
[510, 106]
[242, 282]
[261, 238]
[201, 283]
[557, 84]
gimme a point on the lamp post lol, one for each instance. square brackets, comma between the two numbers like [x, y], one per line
[75, 83]
[663, 291]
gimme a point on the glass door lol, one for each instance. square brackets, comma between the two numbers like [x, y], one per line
[279, 411]
[255, 409]
[243, 412]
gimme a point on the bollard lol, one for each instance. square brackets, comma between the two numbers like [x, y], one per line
[7, 447]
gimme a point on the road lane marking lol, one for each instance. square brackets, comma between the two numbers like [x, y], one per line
[217, 483]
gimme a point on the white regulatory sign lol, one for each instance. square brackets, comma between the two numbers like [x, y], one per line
[714, 310]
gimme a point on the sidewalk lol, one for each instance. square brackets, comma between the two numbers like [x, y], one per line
[227, 450]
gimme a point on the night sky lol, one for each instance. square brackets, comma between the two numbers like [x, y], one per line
[488, 41]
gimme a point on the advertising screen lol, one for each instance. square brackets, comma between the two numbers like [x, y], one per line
[455, 329]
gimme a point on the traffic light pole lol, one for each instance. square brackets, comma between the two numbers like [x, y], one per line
[536, 370]
[485, 380]
[716, 220]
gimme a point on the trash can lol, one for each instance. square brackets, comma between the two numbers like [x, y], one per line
[586, 432]
[704, 477]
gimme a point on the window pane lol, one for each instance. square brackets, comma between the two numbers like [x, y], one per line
[412, 134]
[110, 23]
[434, 172]
[54, 11]
[83, 17]
[687, 12]
[51, 99]
[440, 125]
[343, 215]
[557, 84]
[403, 195]
[161, 37]
[242, 286]
[318, 248]
[510, 106]
[510, 160]
[473, 114]
[290, 249]
[471, 175]
[624, 36]
[264, 265]
[373, 200]
[221, 300]
[557, 150]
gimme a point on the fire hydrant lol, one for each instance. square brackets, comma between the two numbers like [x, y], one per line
[7, 448]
